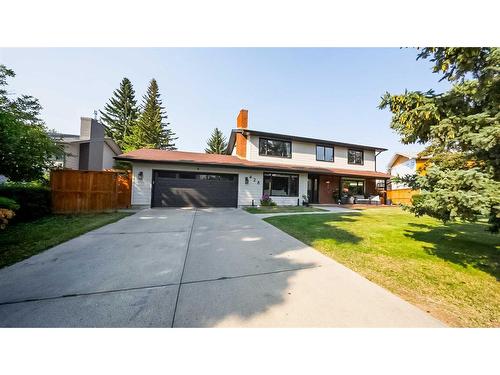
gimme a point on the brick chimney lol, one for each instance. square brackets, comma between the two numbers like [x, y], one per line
[241, 139]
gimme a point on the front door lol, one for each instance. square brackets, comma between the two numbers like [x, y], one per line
[313, 188]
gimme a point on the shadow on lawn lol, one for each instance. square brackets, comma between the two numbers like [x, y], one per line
[321, 227]
[462, 244]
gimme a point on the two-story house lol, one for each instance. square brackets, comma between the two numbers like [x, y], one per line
[287, 168]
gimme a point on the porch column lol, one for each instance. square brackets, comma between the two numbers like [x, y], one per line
[385, 190]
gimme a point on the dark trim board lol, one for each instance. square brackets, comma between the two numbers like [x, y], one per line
[232, 140]
[180, 191]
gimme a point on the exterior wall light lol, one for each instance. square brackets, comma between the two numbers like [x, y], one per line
[140, 176]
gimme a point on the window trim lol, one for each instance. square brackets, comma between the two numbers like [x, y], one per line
[324, 147]
[275, 139]
[270, 188]
[362, 156]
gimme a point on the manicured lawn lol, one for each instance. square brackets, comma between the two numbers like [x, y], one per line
[22, 240]
[280, 209]
[452, 271]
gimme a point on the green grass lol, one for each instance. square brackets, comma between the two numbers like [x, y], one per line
[281, 209]
[449, 270]
[22, 240]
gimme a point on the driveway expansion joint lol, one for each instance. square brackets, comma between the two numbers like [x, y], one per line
[184, 266]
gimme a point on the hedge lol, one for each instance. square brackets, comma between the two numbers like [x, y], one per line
[9, 204]
[33, 199]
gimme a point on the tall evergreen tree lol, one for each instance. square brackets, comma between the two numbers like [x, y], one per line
[152, 131]
[121, 113]
[217, 143]
[461, 129]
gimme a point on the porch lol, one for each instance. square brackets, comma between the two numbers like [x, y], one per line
[346, 190]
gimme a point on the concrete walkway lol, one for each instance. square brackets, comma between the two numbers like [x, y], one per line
[194, 268]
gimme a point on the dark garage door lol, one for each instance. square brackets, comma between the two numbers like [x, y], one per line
[190, 189]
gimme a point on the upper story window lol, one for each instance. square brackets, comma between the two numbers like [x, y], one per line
[324, 153]
[355, 157]
[275, 147]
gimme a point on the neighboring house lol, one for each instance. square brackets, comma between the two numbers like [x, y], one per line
[285, 167]
[402, 164]
[91, 150]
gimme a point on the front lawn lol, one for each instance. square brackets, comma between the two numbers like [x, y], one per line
[449, 270]
[281, 209]
[22, 240]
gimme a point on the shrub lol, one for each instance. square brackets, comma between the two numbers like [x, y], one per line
[9, 204]
[33, 199]
[267, 201]
[5, 216]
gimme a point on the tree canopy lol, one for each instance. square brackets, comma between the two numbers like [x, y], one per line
[152, 130]
[460, 129]
[26, 150]
[121, 112]
[217, 143]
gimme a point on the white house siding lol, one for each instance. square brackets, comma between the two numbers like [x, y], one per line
[72, 151]
[408, 167]
[304, 153]
[141, 189]
[107, 157]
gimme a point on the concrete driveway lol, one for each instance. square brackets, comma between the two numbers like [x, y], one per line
[194, 268]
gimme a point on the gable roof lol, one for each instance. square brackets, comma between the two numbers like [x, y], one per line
[62, 138]
[405, 155]
[232, 140]
[182, 157]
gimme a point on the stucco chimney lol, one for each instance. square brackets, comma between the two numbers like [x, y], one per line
[241, 139]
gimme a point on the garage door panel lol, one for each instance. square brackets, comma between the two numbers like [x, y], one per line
[196, 192]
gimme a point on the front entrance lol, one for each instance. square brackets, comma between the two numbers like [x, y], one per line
[313, 188]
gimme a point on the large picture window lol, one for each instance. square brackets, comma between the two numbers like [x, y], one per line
[353, 187]
[324, 153]
[355, 156]
[275, 147]
[281, 185]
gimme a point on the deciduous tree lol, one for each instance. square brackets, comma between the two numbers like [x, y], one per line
[26, 150]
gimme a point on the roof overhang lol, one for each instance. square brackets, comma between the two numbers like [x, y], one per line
[263, 166]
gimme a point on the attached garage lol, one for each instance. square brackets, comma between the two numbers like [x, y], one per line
[194, 189]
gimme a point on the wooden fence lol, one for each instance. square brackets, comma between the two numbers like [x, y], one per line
[402, 196]
[89, 191]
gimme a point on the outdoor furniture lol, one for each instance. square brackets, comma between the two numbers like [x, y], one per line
[360, 199]
[374, 199]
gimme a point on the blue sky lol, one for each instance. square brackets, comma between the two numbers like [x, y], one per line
[329, 93]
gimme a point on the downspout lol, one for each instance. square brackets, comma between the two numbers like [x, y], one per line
[377, 154]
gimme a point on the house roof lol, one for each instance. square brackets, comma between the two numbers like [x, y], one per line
[232, 140]
[182, 157]
[406, 155]
[73, 138]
